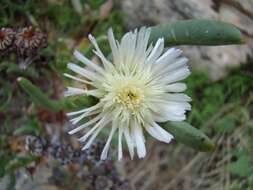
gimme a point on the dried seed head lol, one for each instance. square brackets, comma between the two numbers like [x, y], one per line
[29, 39]
[6, 38]
[35, 145]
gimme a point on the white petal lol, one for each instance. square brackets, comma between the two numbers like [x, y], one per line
[177, 97]
[113, 45]
[86, 114]
[169, 117]
[162, 105]
[157, 51]
[176, 75]
[169, 111]
[151, 130]
[179, 105]
[127, 49]
[102, 122]
[96, 92]
[108, 142]
[84, 110]
[95, 119]
[87, 62]
[120, 152]
[76, 78]
[169, 68]
[129, 141]
[141, 44]
[139, 140]
[84, 72]
[168, 57]
[149, 50]
[175, 87]
[107, 64]
[94, 135]
[158, 134]
[163, 132]
[71, 91]
[177, 64]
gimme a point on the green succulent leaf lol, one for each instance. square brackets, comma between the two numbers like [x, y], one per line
[37, 96]
[41, 99]
[197, 32]
[189, 135]
[32, 126]
[78, 102]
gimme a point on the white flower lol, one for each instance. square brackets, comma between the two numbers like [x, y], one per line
[138, 89]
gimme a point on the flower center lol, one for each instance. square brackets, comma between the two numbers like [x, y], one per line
[28, 34]
[2, 35]
[130, 97]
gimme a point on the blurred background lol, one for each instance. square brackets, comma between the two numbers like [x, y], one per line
[37, 153]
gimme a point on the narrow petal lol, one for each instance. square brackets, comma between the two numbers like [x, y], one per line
[169, 111]
[166, 105]
[84, 72]
[141, 44]
[79, 118]
[95, 119]
[84, 110]
[168, 57]
[163, 132]
[107, 64]
[176, 75]
[175, 87]
[108, 142]
[94, 135]
[157, 51]
[120, 152]
[169, 117]
[177, 97]
[77, 79]
[96, 92]
[112, 42]
[87, 62]
[168, 68]
[127, 49]
[139, 140]
[156, 133]
[102, 122]
[71, 91]
[129, 141]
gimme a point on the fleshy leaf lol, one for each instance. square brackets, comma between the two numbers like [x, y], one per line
[189, 135]
[78, 102]
[37, 96]
[40, 98]
[197, 32]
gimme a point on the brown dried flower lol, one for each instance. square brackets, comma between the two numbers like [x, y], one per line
[29, 39]
[6, 38]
